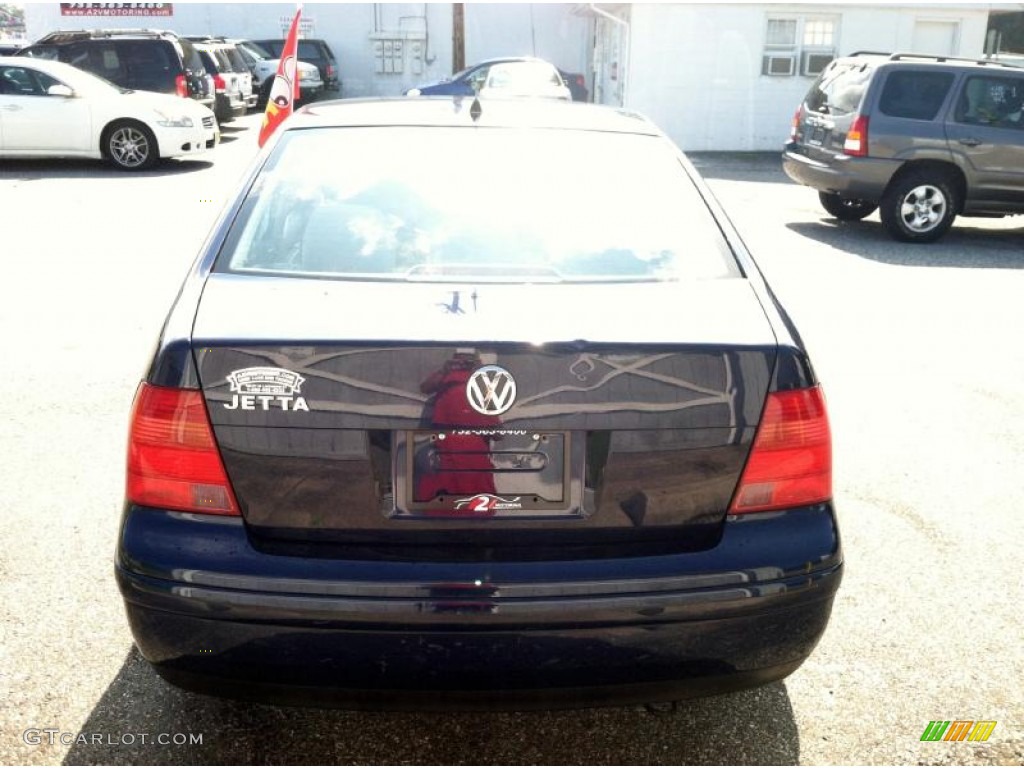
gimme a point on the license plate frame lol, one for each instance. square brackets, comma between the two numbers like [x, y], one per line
[488, 485]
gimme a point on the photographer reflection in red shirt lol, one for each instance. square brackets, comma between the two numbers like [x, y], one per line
[460, 462]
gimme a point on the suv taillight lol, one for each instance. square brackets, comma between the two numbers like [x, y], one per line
[181, 86]
[794, 130]
[856, 143]
[330, 70]
[790, 464]
[219, 84]
[173, 461]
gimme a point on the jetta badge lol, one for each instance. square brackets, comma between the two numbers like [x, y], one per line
[491, 390]
[266, 387]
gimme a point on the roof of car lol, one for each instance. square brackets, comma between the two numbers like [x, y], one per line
[504, 59]
[455, 111]
[880, 57]
[63, 36]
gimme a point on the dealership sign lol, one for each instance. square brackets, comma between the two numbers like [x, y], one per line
[117, 9]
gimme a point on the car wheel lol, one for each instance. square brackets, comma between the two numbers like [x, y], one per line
[919, 208]
[845, 208]
[130, 146]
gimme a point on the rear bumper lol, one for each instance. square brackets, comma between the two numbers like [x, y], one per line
[228, 107]
[453, 635]
[859, 178]
[310, 92]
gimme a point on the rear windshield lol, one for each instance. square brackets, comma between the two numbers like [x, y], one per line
[236, 60]
[309, 50]
[192, 61]
[223, 62]
[273, 47]
[839, 89]
[493, 204]
[215, 61]
[256, 50]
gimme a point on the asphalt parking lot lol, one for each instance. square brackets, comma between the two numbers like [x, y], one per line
[917, 348]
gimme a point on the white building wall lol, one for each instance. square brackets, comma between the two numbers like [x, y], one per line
[550, 31]
[695, 70]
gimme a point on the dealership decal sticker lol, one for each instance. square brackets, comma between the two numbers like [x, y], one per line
[266, 389]
[486, 502]
[958, 730]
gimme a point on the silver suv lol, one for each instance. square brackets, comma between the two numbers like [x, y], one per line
[921, 139]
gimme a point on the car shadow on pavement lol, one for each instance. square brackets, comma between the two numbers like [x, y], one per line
[750, 727]
[35, 170]
[963, 246]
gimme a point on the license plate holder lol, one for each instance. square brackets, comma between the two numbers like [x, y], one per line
[485, 473]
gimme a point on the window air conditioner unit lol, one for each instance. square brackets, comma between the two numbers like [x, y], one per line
[815, 63]
[776, 65]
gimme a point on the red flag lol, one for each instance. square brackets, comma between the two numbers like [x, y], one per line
[285, 90]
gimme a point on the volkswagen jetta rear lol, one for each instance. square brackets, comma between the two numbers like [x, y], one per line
[410, 439]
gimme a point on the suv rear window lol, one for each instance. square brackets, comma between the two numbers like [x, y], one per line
[914, 94]
[151, 65]
[274, 47]
[192, 62]
[389, 204]
[236, 60]
[310, 50]
[839, 89]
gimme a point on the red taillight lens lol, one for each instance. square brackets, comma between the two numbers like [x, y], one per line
[794, 131]
[856, 143]
[218, 83]
[330, 70]
[790, 464]
[181, 86]
[173, 461]
[580, 81]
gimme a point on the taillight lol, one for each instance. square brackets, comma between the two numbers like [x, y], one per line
[856, 143]
[330, 70]
[580, 82]
[790, 463]
[219, 84]
[794, 131]
[173, 461]
[181, 86]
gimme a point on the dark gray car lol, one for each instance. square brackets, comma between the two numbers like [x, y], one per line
[920, 138]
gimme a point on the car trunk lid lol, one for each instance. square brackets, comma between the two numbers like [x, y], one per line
[344, 411]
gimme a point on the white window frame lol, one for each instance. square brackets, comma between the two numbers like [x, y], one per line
[800, 51]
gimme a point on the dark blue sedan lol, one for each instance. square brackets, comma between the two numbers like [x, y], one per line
[414, 437]
[472, 79]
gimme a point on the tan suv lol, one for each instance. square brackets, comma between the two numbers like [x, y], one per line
[922, 139]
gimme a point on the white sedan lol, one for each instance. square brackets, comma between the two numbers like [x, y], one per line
[51, 109]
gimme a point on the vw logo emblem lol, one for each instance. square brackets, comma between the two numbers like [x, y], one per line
[491, 390]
